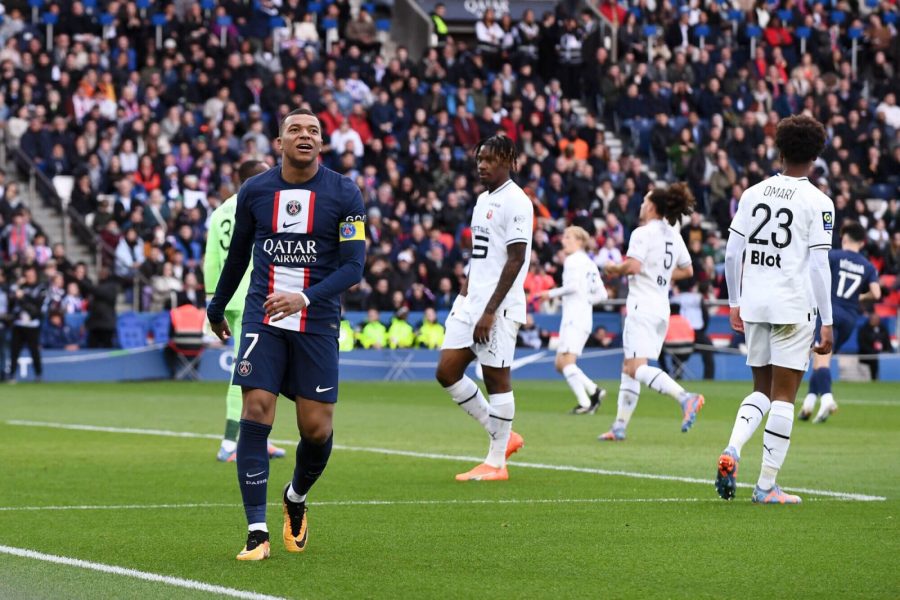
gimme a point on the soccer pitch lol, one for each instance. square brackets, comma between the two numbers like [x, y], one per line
[95, 473]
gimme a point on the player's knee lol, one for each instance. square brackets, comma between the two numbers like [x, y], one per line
[317, 433]
[445, 376]
[254, 412]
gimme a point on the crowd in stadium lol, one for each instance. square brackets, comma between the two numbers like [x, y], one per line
[153, 135]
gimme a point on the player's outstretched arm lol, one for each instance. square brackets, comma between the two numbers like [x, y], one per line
[515, 258]
[236, 263]
[630, 266]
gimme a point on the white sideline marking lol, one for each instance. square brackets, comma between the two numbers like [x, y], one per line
[452, 457]
[155, 578]
[188, 505]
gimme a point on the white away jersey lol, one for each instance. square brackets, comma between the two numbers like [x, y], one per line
[782, 219]
[660, 249]
[502, 217]
[581, 288]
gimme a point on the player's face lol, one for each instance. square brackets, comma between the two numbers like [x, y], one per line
[570, 243]
[301, 139]
[492, 172]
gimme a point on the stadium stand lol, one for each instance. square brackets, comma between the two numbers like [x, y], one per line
[132, 121]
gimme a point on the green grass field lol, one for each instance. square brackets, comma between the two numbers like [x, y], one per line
[395, 525]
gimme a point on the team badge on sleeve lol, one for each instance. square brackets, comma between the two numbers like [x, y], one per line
[827, 221]
[352, 231]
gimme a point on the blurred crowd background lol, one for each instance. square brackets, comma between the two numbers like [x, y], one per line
[151, 118]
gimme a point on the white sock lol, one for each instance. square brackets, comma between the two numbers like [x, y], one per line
[657, 380]
[257, 527]
[629, 393]
[574, 377]
[468, 396]
[503, 409]
[776, 441]
[749, 416]
[809, 403]
[294, 496]
[586, 381]
[827, 399]
[229, 445]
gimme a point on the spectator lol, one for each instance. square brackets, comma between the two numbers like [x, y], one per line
[28, 297]
[400, 334]
[874, 339]
[101, 319]
[373, 333]
[56, 335]
[430, 333]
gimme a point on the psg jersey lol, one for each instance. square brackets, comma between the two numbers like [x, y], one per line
[307, 237]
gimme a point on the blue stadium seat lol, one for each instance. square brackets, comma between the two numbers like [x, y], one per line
[131, 331]
[159, 327]
[383, 24]
[76, 322]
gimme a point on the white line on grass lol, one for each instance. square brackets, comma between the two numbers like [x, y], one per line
[125, 572]
[452, 457]
[189, 505]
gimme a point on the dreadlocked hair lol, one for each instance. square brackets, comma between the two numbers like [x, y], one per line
[800, 139]
[673, 202]
[500, 146]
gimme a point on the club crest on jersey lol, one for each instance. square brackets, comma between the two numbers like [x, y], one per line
[244, 368]
[348, 230]
[827, 221]
[490, 214]
[293, 207]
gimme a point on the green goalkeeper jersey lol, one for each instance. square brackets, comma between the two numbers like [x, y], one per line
[218, 241]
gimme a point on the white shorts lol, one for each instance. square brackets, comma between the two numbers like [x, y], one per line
[497, 352]
[572, 339]
[643, 335]
[780, 345]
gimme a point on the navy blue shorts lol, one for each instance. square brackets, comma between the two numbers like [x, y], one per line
[843, 326]
[286, 362]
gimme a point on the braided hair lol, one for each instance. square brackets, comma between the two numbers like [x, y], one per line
[673, 202]
[500, 146]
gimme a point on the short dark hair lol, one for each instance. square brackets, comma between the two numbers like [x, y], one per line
[800, 139]
[249, 168]
[295, 112]
[854, 231]
[673, 202]
[502, 147]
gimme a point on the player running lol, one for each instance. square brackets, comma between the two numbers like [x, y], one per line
[304, 226]
[785, 223]
[582, 288]
[850, 274]
[218, 241]
[656, 256]
[489, 310]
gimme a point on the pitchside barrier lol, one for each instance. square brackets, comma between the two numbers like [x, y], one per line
[148, 363]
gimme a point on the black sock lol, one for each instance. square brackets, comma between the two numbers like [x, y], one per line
[311, 461]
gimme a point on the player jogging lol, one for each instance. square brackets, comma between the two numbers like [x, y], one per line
[489, 310]
[304, 226]
[656, 256]
[581, 288]
[785, 224]
[851, 273]
[218, 240]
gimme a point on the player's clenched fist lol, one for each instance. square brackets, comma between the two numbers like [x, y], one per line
[280, 305]
[734, 316]
[482, 333]
[826, 333]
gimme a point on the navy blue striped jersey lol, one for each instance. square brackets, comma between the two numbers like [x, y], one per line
[851, 275]
[307, 237]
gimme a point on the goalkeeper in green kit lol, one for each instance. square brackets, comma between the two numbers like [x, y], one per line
[218, 240]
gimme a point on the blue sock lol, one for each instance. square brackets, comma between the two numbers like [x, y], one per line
[824, 380]
[815, 382]
[311, 461]
[253, 468]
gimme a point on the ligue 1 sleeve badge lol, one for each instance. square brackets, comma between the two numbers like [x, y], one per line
[293, 207]
[348, 230]
[827, 221]
[244, 368]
